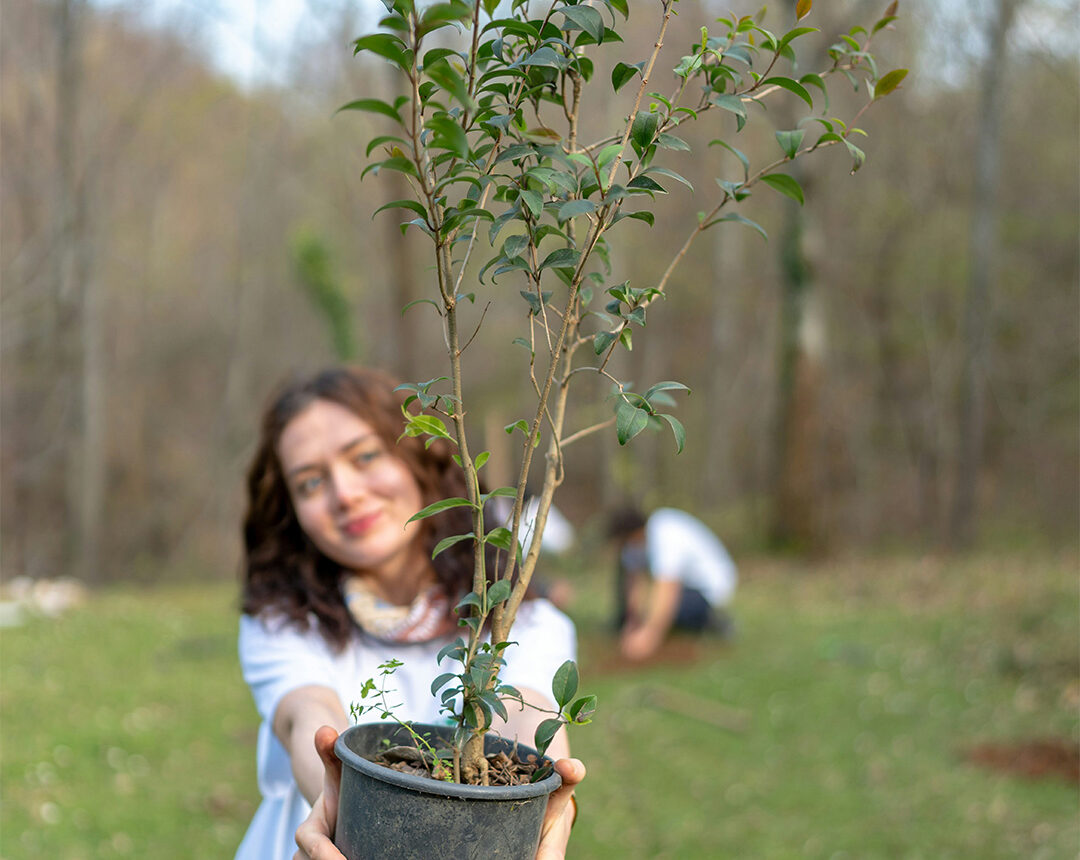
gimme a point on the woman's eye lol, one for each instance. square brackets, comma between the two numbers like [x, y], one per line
[308, 485]
[365, 457]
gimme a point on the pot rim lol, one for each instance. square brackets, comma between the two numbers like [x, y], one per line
[426, 785]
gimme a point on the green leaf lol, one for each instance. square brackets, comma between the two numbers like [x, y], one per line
[442, 680]
[737, 153]
[447, 77]
[791, 86]
[785, 185]
[420, 425]
[506, 492]
[792, 35]
[814, 80]
[371, 106]
[499, 537]
[439, 507]
[729, 102]
[644, 183]
[544, 56]
[857, 155]
[644, 215]
[624, 72]
[447, 134]
[498, 591]
[573, 208]
[544, 734]
[520, 424]
[446, 543]
[440, 14]
[565, 683]
[790, 141]
[493, 702]
[560, 258]
[535, 302]
[644, 128]
[384, 45]
[802, 9]
[455, 650]
[677, 429]
[382, 138]
[740, 219]
[889, 82]
[671, 174]
[584, 18]
[665, 386]
[629, 421]
[534, 202]
[602, 340]
[403, 204]
[582, 710]
[397, 162]
[670, 141]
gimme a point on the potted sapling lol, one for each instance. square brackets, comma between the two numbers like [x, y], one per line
[518, 207]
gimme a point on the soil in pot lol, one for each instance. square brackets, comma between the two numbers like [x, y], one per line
[504, 768]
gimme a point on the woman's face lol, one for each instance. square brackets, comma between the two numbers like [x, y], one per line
[352, 496]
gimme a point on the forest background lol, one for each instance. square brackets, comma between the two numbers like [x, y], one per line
[896, 366]
[883, 427]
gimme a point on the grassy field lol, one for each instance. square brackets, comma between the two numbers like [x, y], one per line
[837, 724]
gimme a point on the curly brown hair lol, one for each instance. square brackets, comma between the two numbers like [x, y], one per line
[283, 571]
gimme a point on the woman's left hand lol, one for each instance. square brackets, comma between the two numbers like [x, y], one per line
[314, 835]
[561, 811]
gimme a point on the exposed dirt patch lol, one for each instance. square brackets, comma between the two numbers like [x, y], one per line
[503, 769]
[1048, 758]
[676, 651]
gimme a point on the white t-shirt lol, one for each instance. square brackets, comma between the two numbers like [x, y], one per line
[276, 658]
[681, 547]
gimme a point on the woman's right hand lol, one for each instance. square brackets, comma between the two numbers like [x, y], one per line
[314, 835]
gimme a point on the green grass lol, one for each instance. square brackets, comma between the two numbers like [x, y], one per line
[834, 726]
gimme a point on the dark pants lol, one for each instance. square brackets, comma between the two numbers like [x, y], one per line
[693, 614]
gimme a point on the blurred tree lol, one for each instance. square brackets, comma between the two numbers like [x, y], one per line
[314, 270]
[982, 252]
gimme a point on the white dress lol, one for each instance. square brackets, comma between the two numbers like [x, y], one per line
[276, 658]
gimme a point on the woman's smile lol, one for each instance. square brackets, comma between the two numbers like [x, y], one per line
[361, 525]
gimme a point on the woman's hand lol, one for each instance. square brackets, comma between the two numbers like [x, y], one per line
[315, 833]
[561, 811]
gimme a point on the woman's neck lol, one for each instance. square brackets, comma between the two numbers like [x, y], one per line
[401, 581]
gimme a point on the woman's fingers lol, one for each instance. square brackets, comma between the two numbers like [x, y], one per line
[314, 835]
[560, 813]
[325, 738]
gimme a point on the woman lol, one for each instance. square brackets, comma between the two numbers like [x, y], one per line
[338, 581]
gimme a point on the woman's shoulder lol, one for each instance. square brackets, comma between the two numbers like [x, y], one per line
[273, 629]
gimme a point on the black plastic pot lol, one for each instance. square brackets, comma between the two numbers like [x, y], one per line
[387, 815]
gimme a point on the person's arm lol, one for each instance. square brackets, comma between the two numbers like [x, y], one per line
[299, 713]
[643, 641]
[314, 835]
[523, 720]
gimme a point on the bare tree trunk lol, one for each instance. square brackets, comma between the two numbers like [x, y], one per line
[93, 454]
[402, 347]
[983, 239]
[76, 326]
[795, 486]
